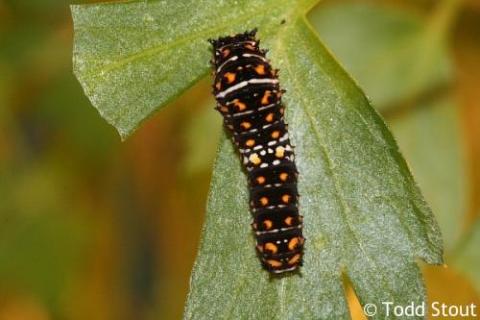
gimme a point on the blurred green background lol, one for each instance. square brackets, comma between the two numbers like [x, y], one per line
[91, 228]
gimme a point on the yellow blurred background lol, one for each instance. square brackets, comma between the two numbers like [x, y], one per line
[92, 228]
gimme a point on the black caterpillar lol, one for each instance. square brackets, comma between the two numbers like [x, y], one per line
[249, 98]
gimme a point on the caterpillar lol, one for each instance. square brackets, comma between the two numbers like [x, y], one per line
[248, 96]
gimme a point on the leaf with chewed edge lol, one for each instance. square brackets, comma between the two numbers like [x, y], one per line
[364, 215]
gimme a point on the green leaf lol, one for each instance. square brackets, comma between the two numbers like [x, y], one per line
[123, 53]
[430, 137]
[406, 54]
[377, 44]
[364, 216]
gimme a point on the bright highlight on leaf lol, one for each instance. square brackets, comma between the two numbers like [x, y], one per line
[364, 215]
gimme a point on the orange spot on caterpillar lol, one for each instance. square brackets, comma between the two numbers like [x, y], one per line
[270, 247]
[283, 176]
[293, 243]
[269, 117]
[246, 125]
[268, 224]
[263, 201]
[260, 69]
[266, 96]
[275, 134]
[295, 259]
[288, 221]
[239, 105]
[261, 180]
[273, 263]
[230, 77]
[286, 198]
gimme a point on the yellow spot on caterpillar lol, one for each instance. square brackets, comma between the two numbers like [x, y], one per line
[268, 224]
[263, 201]
[230, 77]
[293, 243]
[270, 247]
[288, 221]
[261, 180]
[286, 198]
[295, 259]
[274, 263]
[255, 159]
[283, 176]
[239, 105]
[246, 125]
[266, 96]
[280, 152]
[250, 143]
[260, 69]
[275, 134]
[269, 117]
